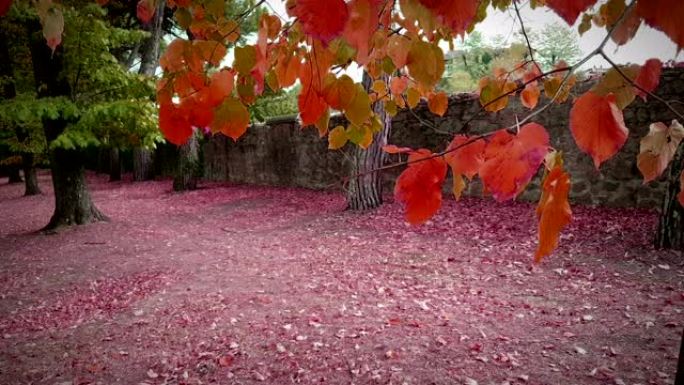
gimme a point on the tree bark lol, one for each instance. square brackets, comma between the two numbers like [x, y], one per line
[149, 61]
[187, 172]
[670, 233]
[114, 165]
[73, 204]
[365, 192]
[30, 176]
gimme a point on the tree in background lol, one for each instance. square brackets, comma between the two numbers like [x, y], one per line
[553, 44]
[78, 94]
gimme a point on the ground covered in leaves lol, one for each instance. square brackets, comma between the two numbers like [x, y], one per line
[256, 285]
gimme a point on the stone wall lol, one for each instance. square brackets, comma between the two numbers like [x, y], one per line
[281, 153]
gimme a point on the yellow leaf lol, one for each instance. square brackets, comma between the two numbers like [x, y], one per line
[358, 110]
[231, 118]
[337, 138]
[412, 97]
[245, 59]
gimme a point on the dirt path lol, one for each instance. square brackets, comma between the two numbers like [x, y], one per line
[253, 285]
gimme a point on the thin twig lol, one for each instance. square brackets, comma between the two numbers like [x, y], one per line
[524, 32]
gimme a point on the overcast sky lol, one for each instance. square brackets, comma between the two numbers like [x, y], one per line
[648, 42]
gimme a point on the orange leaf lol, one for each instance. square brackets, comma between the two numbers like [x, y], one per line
[512, 160]
[311, 106]
[231, 118]
[397, 49]
[468, 156]
[494, 93]
[338, 93]
[657, 149]
[438, 103]
[458, 185]
[455, 15]
[569, 10]
[598, 126]
[648, 77]
[665, 15]
[322, 19]
[220, 86]
[362, 23]
[419, 187]
[145, 10]
[174, 124]
[530, 95]
[553, 211]
[398, 85]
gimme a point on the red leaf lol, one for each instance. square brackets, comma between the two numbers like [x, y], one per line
[456, 15]
[665, 15]
[145, 10]
[598, 127]
[363, 22]
[512, 160]
[322, 19]
[468, 158]
[419, 187]
[5, 6]
[648, 77]
[393, 149]
[311, 106]
[553, 211]
[174, 124]
[569, 10]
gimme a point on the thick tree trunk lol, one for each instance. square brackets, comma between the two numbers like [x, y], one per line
[149, 61]
[187, 172]
[30, 176]
[365, 191]
[73, 205]
[670, 233]
[114, 165]
[72, 199]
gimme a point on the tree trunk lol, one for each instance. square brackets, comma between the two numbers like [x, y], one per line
[365, 192]
[72, 199]
[142, 164]
[30, 176]
[14, 176]
[149, 61]
[670, 233]
[73, 205]
[188, 165]
[114, 165]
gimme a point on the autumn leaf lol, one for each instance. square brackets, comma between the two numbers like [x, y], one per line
[612, 82]
[362, 22]
[337, 138]
[339, 92]
[569, 10]
[311, 106]
[512, 160]
[530, 95]
[231, 118]
[245, 59]
[425, 63]
[598, 126]
[419, 187]
[5, 6]
[553, 211]
[398, 85]
[321, 19]
[412, 97]
[458, 185]
[552, 86]
[358, 109]
[394, 149]
[494, 93]
[649, 77]
[666, 16]
[145, 10]
[468, 156]
[220, 87]
[174, 124]
[628, 27]
[658, 148]
[438, 103]
[397, 49]
[455, 15]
